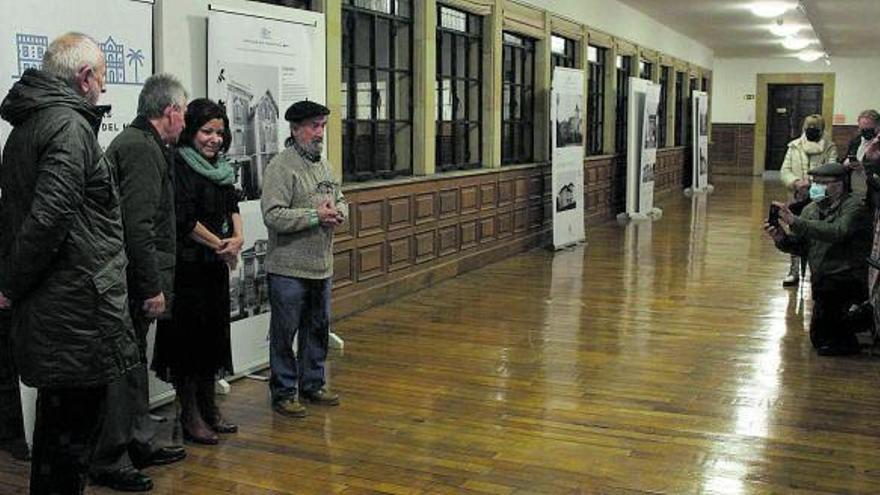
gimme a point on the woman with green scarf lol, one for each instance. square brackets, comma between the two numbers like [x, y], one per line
[193, 347]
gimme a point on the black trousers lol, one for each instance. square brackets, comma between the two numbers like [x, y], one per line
[66, 430]
[831, 301]
[11, 422]
[128, 432]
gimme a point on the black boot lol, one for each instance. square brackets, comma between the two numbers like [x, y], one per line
[193, 425]
[207, 399]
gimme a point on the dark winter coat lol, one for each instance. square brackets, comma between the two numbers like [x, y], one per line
[61, 240]
[146, 188]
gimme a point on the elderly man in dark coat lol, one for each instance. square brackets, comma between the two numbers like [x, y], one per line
[62, 262]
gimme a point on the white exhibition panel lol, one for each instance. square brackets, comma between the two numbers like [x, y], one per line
[700, 137]
[642, 121]
[27, 28]
[567, 120]
[258, 65]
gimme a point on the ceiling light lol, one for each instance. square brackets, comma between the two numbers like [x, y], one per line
[793, 43]
[810, 56]
[784, 30]
[770, 9]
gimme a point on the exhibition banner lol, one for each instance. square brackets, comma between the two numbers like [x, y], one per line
[567, 117]
[700, 116]
[27, 28]
[257, 67]
[644, 99]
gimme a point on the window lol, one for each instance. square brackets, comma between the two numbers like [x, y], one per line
[562, 52]
[297, 4]
[518, 103]
[679, 108]
[596, 57]
[646, 70]
[705, 85]
[624, 70]
[459, 89]
[663, 106]
[377, 90]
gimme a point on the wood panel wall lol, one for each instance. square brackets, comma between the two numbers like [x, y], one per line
[408, 235]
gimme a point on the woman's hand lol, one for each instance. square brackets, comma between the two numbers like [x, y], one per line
[230, 246]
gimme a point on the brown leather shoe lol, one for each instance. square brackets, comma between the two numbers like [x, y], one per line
[289, 407]
[322, 397]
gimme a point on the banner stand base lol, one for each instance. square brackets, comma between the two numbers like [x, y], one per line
[709, 189]
[654, 214]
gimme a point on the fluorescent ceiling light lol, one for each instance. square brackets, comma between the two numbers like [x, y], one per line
[784, 30]
[810, 56]
[770, 9]
[793, 43]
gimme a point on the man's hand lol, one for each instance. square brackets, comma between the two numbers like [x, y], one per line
[854, 165]
[4, 302]
[785, 215]
[774, 233]
[328, 215]
[154, 306]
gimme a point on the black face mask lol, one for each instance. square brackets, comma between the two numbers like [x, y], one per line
[813, 134]
[868, 133]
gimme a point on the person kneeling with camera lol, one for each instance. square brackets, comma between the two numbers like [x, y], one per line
[833, 233]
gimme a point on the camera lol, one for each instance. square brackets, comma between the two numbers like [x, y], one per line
[773, 216]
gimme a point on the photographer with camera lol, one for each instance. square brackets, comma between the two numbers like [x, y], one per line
[810, 150]
[833, 233]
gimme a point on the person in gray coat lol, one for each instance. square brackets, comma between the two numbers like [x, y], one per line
[140, 157]
[62, 259]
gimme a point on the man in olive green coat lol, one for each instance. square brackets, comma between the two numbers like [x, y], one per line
[139, 156]
[834, 234]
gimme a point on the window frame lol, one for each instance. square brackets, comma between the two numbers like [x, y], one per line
[472, 80]
[513, 153]
[596, 90]
[663, 106]
[622, 115]
[566, 59]
[353, 169]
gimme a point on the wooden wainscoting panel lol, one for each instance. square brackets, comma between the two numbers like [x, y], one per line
[449, 239]
[371, 218]
[371, 261]
[521, 189]
[469, 199]
[426, 249]
[425, 206]
[343, 268]
[487, 229]
[487, 195]
[399, 212]
[505, 192]
[449, 203]
[400, 253]
[468, 234]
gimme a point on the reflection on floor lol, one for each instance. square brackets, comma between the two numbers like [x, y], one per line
[660, 358]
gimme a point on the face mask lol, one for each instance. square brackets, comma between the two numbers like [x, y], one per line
[818, 191]
[868, 133]
[813, 134]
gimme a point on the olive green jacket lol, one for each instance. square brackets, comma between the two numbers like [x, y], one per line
[835, 240]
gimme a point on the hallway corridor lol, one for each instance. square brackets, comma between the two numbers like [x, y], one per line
[659, 358]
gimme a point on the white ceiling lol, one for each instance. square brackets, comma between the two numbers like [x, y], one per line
[848, 27]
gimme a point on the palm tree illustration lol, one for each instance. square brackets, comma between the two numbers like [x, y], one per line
[135, 58]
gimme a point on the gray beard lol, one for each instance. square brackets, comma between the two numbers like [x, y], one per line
[311, 151]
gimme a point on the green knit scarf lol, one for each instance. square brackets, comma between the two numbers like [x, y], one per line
[219, 172]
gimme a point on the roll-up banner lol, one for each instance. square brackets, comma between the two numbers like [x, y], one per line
[700, 116]
[27, 28]
[644, 99]
[567, 123]
[257, 67]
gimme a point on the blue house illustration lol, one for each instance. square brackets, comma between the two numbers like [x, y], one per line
[31, 48]
[114, 54]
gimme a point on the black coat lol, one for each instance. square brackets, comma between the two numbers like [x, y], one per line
[146, 188]
[63, 263]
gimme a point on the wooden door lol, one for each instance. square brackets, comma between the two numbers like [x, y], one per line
[788, 104]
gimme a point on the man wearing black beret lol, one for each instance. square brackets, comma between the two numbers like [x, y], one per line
[834, 234]
[302, 205]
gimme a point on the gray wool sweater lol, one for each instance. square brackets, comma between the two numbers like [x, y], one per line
[293, 187]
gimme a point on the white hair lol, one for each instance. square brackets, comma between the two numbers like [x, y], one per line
[68, 53]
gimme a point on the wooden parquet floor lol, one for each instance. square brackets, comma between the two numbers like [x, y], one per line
[659, 358]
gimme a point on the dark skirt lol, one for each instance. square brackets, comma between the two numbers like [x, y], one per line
[195, 341]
